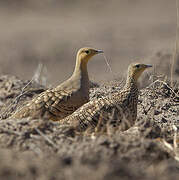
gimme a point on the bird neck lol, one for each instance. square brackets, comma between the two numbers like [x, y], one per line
[131, 84]
[81, 66]
[81, 71]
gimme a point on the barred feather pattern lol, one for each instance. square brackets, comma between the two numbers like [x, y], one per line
[118, 111]
[51, 104]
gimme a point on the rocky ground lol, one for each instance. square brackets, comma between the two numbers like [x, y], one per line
[41, 149]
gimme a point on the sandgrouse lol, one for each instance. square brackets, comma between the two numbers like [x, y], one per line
[115, 112]
[63, 100]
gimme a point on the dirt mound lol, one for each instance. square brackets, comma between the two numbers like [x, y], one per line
[40, 149]
[14, 91]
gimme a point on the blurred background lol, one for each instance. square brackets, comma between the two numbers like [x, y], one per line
[51, 31]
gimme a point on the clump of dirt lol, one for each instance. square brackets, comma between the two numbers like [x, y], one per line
[41, 149]
[14, 91]
[161, 103]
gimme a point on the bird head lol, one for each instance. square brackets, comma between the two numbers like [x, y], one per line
[135, 70]
[84, 54]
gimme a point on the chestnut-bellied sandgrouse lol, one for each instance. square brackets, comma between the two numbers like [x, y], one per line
[118, 111]
[63, 100]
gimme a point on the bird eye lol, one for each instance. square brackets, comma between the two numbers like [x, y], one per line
[137, 66]
[87, 52]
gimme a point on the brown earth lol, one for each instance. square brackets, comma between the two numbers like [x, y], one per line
[39, 149]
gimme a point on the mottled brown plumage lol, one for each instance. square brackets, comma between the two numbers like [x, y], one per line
[61, 101]
[119, 110]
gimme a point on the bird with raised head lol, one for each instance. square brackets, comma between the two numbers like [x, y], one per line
[118, 111]
[61, 101]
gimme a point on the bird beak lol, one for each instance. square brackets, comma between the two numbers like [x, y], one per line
[148, 65]
[99, 51]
